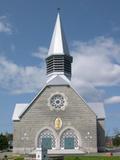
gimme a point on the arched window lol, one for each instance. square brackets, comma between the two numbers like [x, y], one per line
[69, 140]
[46, 139]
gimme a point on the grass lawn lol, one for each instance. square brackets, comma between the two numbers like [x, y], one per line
[78, 158]
[92, 158]
[96, 156]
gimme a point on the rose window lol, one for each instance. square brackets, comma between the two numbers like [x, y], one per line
[57, 101]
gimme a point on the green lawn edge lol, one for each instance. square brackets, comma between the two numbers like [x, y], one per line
[91, 158]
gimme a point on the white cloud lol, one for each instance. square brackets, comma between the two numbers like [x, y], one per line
[41, 53]
[5, 26]
[113, 100]
[96, 64]
[18, 79]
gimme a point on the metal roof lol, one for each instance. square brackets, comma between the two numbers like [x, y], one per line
[19, 108]
[58, 80]
[58, 44]
[98, 108]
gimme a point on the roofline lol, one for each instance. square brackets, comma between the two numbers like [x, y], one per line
[17, 120]
[83, 100]
[59, 55]
[102, 103]
[101, 118]
[47, 85]
[33, 100]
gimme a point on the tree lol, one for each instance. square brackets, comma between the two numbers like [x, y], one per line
[10, 140]
[3, 142]
[116, 140]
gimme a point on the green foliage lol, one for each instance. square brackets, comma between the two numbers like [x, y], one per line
[116, 140]
[19, 158]
[6, 141]
[3, 142]
[9, 137]
[91, 158]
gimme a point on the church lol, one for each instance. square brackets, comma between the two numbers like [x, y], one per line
[58, 118]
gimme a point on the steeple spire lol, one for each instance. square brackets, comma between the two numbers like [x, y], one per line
[58, 44]
[58, 60]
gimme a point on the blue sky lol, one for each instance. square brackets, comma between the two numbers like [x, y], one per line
[92, 29]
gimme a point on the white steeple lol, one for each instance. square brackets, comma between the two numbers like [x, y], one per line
[58, 44]
[58, 61]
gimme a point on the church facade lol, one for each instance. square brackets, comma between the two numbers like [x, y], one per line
[58, 118]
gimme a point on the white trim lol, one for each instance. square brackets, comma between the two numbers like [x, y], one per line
[65, 152]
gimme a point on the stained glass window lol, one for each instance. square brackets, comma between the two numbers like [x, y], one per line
[46, 139]
[69, 140]
[57, 101]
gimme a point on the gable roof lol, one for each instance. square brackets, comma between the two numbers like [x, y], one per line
[98, 108]
[22, 107]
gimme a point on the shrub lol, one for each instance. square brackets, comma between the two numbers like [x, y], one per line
[3, 142]
[19, 158]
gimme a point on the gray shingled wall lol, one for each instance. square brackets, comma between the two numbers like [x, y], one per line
[77, 115]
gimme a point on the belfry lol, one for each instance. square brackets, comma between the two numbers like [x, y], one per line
[58, 118]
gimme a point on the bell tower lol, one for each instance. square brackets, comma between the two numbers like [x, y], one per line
[59, 60]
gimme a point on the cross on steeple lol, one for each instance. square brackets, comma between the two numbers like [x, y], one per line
[58, 9]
